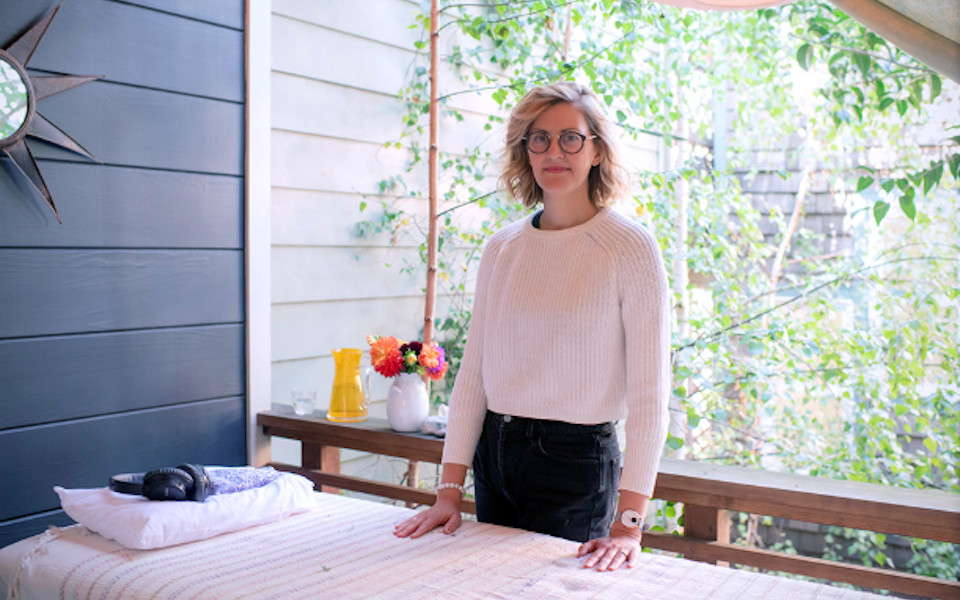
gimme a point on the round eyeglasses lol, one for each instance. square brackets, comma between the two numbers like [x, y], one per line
[570, 142]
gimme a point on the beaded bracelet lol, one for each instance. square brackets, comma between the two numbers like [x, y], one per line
[452, 486]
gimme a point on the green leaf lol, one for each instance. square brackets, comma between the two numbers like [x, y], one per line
[864, 183]
[363, 206]
[935, 86]
[674, 442]
[804, 56]
[902, 107]
[916, 92]
[887, 184]
[886, 102]
[881, 558]
[954, 160]
[931, 444]
[880, 209]
[819, 31]
[500, 96]
[900, 410]
[907, 206]
[859, 95]
[862, 61]
[932, 177]
[881, 91]
[670, 511]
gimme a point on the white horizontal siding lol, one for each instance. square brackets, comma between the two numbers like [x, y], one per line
[310, 162]
[381, 21]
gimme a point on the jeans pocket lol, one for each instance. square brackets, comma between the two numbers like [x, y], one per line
[580, 449]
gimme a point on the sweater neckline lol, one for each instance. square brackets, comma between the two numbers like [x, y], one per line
[555, 234]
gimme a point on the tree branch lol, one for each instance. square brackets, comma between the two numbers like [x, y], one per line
[777, 267]
[518, 84]
[487, 5]
[806, 293]
[467, 203]
[865, 53]
[513, 17]
[479, 89]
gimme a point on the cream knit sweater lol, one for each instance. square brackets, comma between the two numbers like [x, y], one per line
[569, 325]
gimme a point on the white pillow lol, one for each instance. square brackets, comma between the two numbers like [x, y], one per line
[138, 523]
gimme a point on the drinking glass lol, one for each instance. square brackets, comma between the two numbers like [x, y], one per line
[304, 400]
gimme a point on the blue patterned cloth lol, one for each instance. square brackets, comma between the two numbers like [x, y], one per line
[226, 480]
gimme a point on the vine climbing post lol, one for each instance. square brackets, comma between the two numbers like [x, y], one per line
[433, 174]
[413, 467]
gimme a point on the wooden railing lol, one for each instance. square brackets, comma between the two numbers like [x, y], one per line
[708, 493]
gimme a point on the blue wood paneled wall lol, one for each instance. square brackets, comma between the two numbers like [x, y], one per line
[122, 330]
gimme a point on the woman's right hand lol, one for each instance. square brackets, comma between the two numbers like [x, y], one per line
[445, 512]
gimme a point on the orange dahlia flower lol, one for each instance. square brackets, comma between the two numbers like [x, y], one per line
[385, 355]
[430, 357]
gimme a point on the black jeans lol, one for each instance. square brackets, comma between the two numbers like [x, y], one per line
[547, 476]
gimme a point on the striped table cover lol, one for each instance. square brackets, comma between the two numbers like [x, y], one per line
[345, 549]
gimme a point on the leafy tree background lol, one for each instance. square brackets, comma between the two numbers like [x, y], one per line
[841, 365]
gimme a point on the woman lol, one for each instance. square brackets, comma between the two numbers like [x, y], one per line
[569, 334]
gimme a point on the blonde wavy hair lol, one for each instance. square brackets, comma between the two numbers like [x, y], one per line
[607, 181]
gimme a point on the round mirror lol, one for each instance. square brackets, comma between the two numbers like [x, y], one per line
[13, 100]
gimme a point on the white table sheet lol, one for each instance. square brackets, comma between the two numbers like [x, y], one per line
[345, 549]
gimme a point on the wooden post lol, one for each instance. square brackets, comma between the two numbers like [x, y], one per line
[708, 524]
[325, 458]
[434, 173]
[413, 467]
[413, 478]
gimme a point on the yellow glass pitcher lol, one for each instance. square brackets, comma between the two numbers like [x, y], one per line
[350, 397]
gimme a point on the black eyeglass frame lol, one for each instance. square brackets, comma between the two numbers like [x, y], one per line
[550, 136]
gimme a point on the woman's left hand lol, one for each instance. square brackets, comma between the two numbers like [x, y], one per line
[610, 553]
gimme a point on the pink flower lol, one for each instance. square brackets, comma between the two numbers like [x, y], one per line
[430, 357]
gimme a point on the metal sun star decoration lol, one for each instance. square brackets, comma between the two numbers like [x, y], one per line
[19, 118]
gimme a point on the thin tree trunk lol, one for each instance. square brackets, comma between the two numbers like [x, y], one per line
[566, 36]
[760, 425]
[678, 415]
[776, 269]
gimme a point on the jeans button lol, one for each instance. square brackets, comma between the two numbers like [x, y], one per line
[507, 418]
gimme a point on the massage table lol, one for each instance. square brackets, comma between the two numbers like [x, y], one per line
[345, 548]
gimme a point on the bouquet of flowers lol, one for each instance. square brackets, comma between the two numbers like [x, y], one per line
[390, 357]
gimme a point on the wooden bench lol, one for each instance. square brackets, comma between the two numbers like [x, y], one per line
[708, 492]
